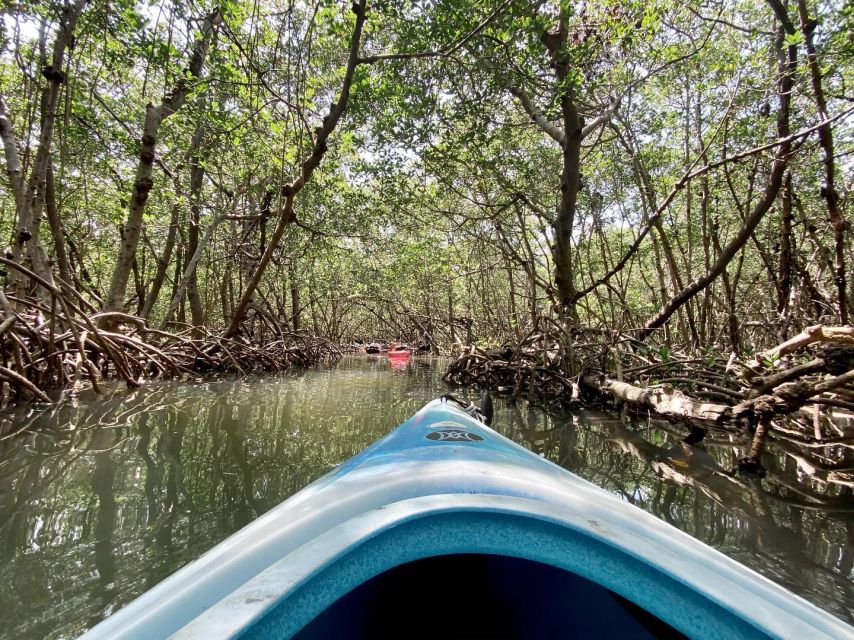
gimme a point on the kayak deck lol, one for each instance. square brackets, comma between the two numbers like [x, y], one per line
[444, 493]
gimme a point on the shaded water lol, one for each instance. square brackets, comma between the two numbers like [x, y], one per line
[100, 501]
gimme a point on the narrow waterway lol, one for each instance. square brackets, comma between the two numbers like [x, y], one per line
[102, 499]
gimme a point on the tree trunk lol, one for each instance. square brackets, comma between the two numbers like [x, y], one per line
[197, 174]
[295, 308]
[30, 200]
[57, 231]
[227, 292]
[10, 148]
[289, 191]
[190, 271]
[784, 268]
[788, 66]
[828, 190]
[162, 263]
[451, 325]
[154, 117]
[570, 177]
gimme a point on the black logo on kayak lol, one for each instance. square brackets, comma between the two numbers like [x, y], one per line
[447, 435]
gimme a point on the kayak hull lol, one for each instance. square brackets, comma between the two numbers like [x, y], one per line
[444, 485]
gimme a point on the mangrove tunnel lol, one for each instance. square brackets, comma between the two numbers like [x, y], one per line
[641, 207]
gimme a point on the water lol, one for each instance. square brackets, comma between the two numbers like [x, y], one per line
[102, 500]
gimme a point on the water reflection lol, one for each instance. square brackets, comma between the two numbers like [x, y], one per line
[805, 544]
[104, 499]
[399, 363]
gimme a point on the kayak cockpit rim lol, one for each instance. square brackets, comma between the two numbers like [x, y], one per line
[288, 596]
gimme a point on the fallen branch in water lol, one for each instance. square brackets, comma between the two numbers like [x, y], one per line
[664, 400]
[548, 366]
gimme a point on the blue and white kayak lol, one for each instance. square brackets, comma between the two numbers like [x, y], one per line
[444, 528]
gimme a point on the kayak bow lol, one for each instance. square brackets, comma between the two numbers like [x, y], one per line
[445, 528]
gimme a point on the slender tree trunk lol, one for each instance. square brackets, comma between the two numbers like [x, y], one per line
[162, 263]
[180, 261]
[514, 310]
[295, 308]
[10, 148]
[451, 325]
[197, 175]
[190, 270]
[227, 293]
[828, 190]
[701, 330]
[287, 214]
[138, 283]
[176, 273]
[730, 296]
[312, 308]
[784, 270]
[648, 201]
[675, 277]
[788, 66]
[154, 117]
[57, 231]
[30, 200]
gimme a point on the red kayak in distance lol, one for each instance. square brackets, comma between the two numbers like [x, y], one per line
[398, 352]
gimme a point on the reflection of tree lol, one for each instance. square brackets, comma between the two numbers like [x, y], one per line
[238, 482]
[103, 481]
[740, 515]
[157, 534]
[684, 465]
[150, 483]
[689, 487]
[13, 517]
[173, 439]
[163, 484]
[138, 485]
[846, 562]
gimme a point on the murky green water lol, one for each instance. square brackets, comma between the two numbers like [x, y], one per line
[100, 501]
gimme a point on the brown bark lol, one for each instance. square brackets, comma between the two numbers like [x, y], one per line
[815, 334]
[197, 175]
[295, 308]
[648, 200]
[227, 291]
[65, 271]
[172, 233]
[825, 136]
[569, 137]
[753, 461]
[30, 199]
[180, 259]
[784, 270]
[154, 116]
[189, 273]
[162, 263]
[570, 177]
[138, 271]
